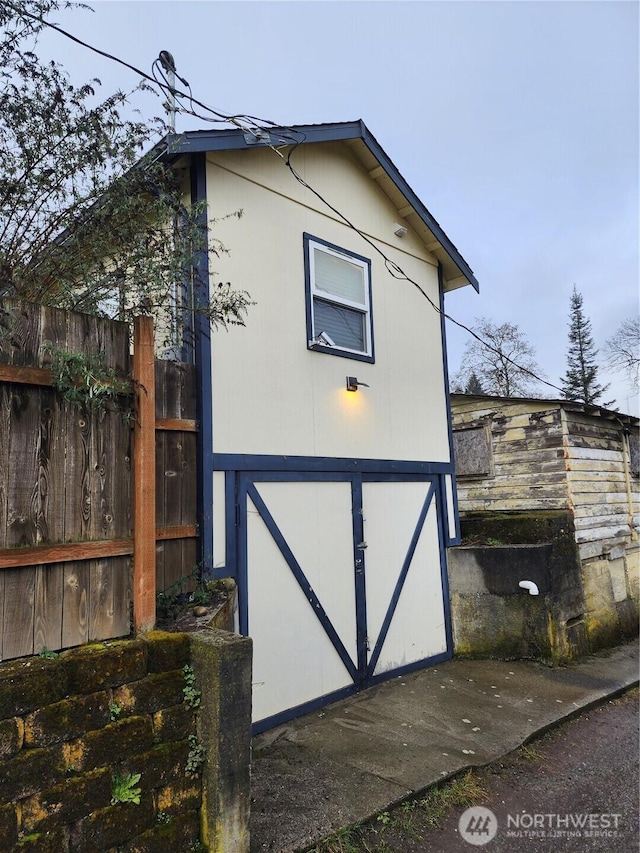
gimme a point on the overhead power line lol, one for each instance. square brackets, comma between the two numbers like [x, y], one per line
[257, 126]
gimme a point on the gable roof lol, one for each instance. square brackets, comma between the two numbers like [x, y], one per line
[457, 273]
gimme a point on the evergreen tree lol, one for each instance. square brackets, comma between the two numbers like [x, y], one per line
[581, 379]
[474, 385]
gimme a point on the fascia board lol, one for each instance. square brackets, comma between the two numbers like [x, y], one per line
[197, 141]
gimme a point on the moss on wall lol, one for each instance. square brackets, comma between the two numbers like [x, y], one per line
[582, 611]
[69, 725]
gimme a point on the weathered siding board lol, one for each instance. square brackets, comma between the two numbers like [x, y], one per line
[587, 501]
[551, 464]
[610, 518]
[527, 459]
[552, 458]
[504, 486]
[595, 454]
[597, 479]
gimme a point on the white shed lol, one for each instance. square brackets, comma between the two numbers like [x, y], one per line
[331, 450]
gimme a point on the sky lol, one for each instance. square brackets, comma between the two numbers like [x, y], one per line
[516, 123]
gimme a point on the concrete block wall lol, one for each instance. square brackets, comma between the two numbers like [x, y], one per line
[70, 725]
[612, 595]
[583, 606]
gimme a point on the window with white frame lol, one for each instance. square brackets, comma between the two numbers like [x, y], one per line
[338, 284]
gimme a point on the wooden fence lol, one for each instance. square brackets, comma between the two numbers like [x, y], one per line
[82, 493]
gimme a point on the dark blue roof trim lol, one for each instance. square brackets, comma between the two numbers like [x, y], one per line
[196, 141]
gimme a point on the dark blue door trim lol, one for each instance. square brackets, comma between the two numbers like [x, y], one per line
[329, 465]
[240, 487]
[204, 410]
[456, 539]
[359, 563]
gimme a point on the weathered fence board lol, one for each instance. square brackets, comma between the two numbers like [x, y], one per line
[66, 486]
[5, 422]
[175, 473]
[144, 496]
[47, 633]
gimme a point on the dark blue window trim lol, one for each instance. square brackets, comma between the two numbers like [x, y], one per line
[306, 239]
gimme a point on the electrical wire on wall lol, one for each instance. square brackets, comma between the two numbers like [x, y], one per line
[289, 138]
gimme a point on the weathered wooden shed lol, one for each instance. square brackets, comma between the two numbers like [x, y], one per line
[520, 458]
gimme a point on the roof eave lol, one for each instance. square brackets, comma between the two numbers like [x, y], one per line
[569, 405]
[198, 141]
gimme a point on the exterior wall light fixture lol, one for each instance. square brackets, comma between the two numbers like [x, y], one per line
[399, 230]
[352, 383]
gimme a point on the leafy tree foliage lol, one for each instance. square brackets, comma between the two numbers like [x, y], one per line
[622, 350]
[86, 221]
[580, 381]
[506, 367]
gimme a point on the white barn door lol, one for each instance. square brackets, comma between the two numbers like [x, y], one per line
[300, 593]
[406, 609]
[342, 584]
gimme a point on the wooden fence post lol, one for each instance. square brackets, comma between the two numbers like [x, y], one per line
[144, 478]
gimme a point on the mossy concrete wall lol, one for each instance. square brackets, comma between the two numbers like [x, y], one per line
[491, 615]
[222, 665]
[70, 724]
[581, 606]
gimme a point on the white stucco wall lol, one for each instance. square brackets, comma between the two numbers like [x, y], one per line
[271, 394]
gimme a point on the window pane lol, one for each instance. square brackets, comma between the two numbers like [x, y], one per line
[344, 326]
[339, 277]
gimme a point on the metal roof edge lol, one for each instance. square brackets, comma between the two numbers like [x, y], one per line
[432, 224]
[570, 405]
[197, 141]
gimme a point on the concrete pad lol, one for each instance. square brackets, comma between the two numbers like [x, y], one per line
[341, 765]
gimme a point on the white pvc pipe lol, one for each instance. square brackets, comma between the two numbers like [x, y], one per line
[530, 586]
